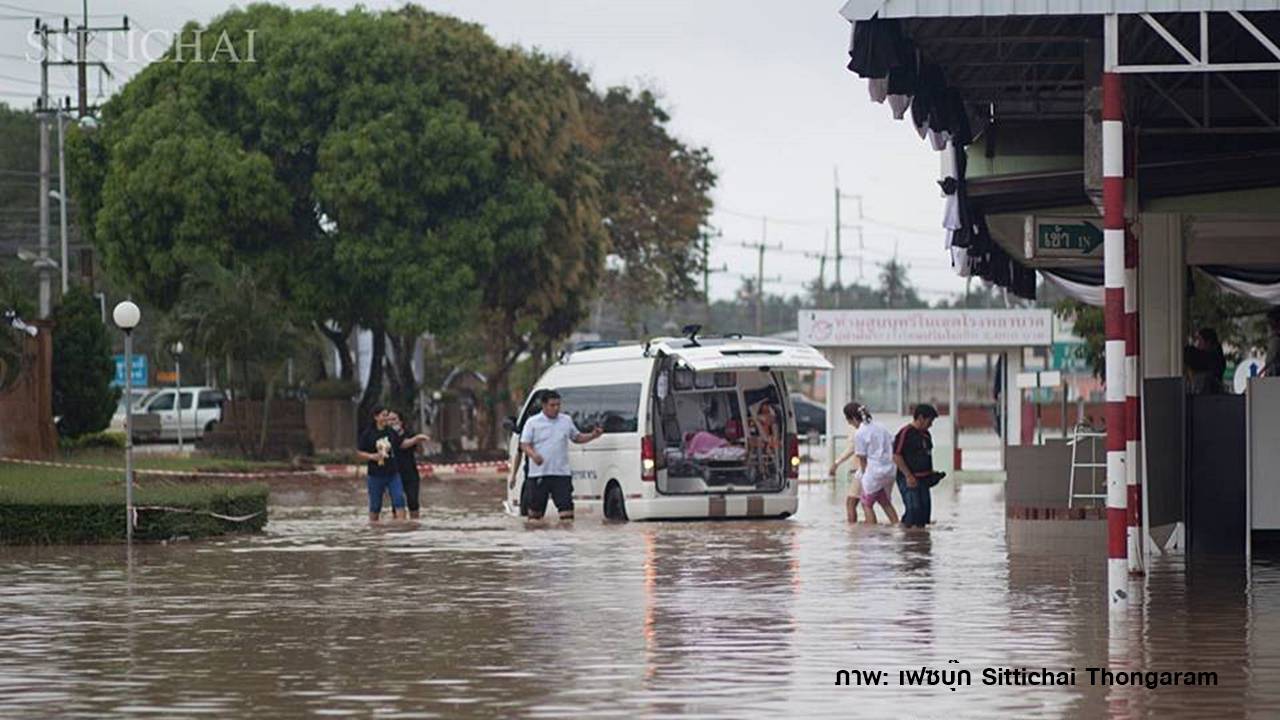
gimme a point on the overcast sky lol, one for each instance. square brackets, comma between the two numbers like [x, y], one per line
[762, 85]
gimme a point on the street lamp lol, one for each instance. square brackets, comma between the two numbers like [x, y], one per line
[127, 316]
[177, 379]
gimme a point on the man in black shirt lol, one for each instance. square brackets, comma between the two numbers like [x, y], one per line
[379, 446]
[913, 454]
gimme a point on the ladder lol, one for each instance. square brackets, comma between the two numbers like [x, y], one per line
[1081, 435]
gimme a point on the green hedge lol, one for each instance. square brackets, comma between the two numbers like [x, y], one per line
[58, 524]
[40, 506]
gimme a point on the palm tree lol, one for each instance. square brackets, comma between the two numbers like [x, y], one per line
[235, 313]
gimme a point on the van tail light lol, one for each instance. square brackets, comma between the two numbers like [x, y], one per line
[648, 461]
[793, 457]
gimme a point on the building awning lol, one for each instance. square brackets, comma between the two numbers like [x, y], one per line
[1013, 87]
[854, 10]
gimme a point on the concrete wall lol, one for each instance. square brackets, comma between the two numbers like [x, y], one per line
[1038, 475]
[1263, 420]
[331, 425]
[1162, 288]
[26, 408]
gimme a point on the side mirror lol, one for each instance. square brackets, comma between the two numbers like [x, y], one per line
[510, 423]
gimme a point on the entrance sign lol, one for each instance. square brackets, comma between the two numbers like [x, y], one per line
[1048, 237]
[139, 371]
[953, 329]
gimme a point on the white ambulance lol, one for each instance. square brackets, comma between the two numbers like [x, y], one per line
[694, 427]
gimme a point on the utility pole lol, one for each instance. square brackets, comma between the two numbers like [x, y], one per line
[839, 226]
[836, 174]
[822, 269]
[706, 275]
[46, 289]
[760, 248]
[44, 109]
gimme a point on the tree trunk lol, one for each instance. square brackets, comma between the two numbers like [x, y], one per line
[503, 350]
[373, 389]
[346, 366]
[266, 410]
[404, 386]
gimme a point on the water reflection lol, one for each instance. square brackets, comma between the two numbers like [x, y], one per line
[471, 614]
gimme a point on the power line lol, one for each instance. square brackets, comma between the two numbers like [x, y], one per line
[772, 220]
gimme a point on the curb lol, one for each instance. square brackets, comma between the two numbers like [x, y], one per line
[488, 469]
[495, 469]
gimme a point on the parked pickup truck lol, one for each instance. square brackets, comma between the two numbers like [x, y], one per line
[201, 409]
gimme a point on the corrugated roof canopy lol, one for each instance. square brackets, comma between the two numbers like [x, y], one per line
[865, 9]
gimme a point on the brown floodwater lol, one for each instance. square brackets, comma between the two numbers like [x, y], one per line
[471, 614]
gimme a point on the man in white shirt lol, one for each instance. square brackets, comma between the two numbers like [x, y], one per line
[545, 441]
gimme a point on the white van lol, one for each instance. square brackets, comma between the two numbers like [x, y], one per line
[694, 427]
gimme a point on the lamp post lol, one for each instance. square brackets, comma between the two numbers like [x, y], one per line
[127, 316]
[177, 378]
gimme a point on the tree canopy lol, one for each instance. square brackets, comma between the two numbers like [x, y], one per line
[399, 171]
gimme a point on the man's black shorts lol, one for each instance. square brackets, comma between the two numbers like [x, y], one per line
[558, 487]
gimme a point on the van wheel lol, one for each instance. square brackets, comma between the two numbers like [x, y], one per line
[615, 507]
[208, 428]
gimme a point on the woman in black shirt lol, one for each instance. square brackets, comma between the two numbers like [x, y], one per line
[407, 462]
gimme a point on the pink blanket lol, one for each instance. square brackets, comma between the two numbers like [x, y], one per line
[702, 443]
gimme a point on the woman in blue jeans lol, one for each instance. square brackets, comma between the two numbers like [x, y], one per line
[378, 446]
[913, 454]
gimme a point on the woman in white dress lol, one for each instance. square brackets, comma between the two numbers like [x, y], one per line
[873, 482]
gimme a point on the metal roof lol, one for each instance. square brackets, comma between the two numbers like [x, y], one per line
[865, 9]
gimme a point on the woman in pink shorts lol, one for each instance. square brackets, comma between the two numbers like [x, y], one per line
[873, 447]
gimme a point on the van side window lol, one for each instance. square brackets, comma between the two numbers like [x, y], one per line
[616, 408]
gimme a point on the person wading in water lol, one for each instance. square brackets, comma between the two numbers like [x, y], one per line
[545, 441]
[913, 454]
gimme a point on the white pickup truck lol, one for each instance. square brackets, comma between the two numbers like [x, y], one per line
[201, 409]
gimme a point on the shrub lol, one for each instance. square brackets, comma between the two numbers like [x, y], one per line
[82, 366]
[93, 441]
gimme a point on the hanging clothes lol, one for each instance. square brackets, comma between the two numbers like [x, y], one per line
[875, 47]
[878, 88]
[899, 104]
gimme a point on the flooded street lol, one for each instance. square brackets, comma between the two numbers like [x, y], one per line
[471, 614]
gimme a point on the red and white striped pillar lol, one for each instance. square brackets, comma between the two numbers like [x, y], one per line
[1133, 404]
[1114, 312]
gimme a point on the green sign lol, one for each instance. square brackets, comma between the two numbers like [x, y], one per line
[1067, 239]
[1068, 357]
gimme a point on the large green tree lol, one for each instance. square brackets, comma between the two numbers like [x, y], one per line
[397, 171]
[656, 201]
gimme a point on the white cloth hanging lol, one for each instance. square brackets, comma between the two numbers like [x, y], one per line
[878, 88]
[899, 104]
[960, 261]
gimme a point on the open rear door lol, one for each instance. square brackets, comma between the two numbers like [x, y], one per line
[747, 354]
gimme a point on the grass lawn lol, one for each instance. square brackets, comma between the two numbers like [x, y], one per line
[40, 505]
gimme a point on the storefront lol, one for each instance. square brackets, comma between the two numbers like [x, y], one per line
[964, 362]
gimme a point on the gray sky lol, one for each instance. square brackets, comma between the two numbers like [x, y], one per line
[762, 85]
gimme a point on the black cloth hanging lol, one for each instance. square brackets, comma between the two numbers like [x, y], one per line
[875, 47]
[930, 91]
[905, 72]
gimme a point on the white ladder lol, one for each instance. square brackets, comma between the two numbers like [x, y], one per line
[1079, 435]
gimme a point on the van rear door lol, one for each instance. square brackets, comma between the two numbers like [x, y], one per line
[747, 355]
